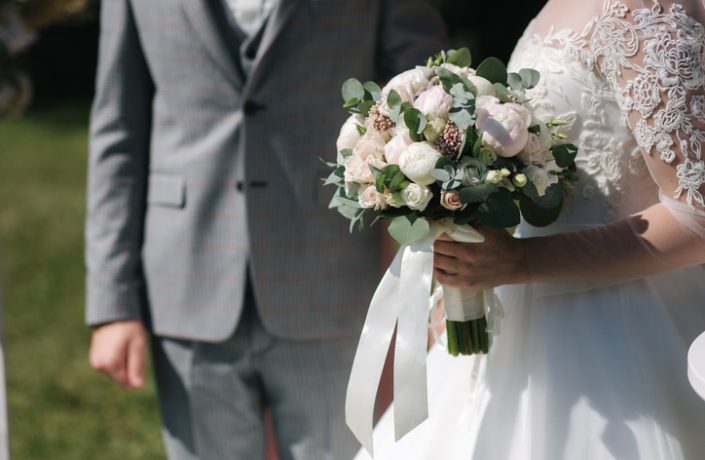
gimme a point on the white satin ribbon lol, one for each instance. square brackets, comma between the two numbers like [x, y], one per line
[401, 300]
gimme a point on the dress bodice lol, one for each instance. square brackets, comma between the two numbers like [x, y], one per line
[619, 63]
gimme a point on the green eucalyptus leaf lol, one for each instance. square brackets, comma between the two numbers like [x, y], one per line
[393, 99]
[351, 103]
[477, 193]
[515, 81]
[500, 210]
[461, 57]
[407, 231]
[353, 89]
[541, 211]
[440, 175]
[365, 107]
[501, 91]
[373, 90]
[529, 77]
[416, 122]
[492, 69]
[564, 154]
[462, 118]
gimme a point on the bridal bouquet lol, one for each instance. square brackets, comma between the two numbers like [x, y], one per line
[448, 144]
[440, 148]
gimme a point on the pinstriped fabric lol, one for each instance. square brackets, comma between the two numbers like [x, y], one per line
[212, 395]
[169, 234]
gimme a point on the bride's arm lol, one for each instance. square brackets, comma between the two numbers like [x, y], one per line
[655, 64]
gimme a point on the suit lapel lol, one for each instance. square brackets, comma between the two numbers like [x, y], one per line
[199, 14]
[278, 19]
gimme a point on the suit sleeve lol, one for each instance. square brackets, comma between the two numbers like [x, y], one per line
[410, 32]
[117, 171]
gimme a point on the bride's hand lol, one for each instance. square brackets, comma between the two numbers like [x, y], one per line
[500, 259]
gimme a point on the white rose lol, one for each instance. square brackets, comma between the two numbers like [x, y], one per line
[407, 84]
[370, 145]
[484, 87]
[349, 134]
[540, 178]
[504, 126]
[434, 101]
[416, 197]
[417, 162]
[370, 198]
[451, 201]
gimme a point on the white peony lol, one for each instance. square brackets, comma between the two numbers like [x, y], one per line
[395, 147]
[407, 84]
[434, 101]
[416, 197]
[504, 126]
[418, 161]
[484, 87]
[541, 178]
[349, 134]
[460, 71]
[357, 169]
[370, 145]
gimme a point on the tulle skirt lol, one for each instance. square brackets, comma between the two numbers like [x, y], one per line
[577, 373]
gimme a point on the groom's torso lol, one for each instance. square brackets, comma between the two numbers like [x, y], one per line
[236, 138]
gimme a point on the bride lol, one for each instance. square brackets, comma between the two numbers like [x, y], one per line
[601, 306]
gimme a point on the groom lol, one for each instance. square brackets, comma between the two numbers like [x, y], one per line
[207, 224]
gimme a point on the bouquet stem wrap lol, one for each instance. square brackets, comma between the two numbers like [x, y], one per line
[401, 300]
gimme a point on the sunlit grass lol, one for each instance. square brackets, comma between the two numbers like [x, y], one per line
[59, 409]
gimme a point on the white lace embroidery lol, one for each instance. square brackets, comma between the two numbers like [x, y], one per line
[665, 87]
[662, 83]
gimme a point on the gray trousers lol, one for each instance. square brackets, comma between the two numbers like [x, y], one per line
[212, 395]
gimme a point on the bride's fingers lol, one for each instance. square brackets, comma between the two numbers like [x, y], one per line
[447, 279]
[447, 248]
[446, 263]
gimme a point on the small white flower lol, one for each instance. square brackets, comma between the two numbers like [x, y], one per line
[416, 197]
[418, 161]
[520, 180]
[494, 177]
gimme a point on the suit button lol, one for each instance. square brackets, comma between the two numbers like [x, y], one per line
[252, 108]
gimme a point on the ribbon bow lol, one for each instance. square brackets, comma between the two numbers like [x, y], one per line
[402, 300]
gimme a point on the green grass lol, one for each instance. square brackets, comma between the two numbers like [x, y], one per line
[59, 408]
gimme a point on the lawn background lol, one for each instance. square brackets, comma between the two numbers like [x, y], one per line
[59, 408]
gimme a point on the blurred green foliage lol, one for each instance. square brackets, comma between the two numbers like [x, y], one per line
[59, 408]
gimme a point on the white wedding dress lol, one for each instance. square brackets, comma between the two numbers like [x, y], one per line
[592, 370]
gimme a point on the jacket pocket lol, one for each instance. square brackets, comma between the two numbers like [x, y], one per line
[166, 190]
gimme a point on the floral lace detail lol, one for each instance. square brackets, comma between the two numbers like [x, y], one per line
[607, 163]
[665, 86]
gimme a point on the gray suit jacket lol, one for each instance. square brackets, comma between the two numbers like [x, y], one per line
[198, 171]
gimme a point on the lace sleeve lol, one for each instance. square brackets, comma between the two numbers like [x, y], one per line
[652, 54]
